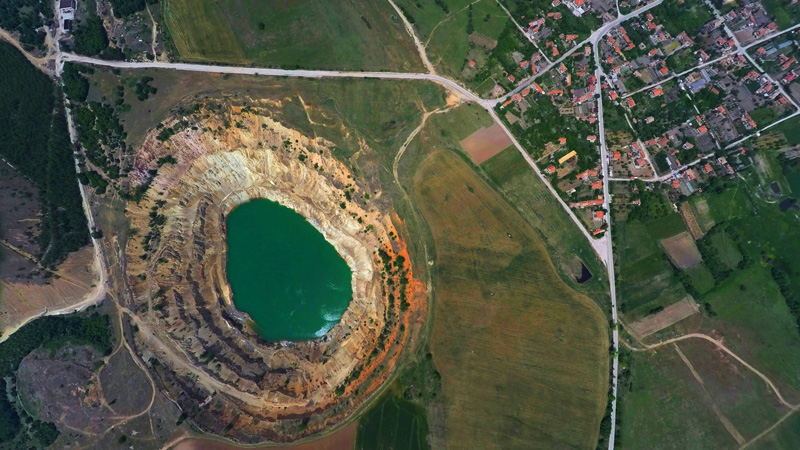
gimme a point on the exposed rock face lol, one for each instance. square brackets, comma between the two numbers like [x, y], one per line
[225, 377]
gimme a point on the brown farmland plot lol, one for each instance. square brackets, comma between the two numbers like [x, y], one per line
[485, 143]
[671, 315]
[682, 250]
[523, 357]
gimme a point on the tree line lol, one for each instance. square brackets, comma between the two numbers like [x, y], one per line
[35, 140]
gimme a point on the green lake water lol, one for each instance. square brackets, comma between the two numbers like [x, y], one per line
[283, 273]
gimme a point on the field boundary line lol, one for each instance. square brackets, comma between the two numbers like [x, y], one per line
[728, 351]
[771, 428]
[722, 418]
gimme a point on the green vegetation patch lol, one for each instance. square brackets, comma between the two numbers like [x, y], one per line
[393, 423]
[200, 32]
[645, 278]
[500, 305]
[51, 332]
[318, 34]
[522, 188]
[665, 408]
[36, 142]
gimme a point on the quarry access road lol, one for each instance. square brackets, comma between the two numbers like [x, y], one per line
[299, 73]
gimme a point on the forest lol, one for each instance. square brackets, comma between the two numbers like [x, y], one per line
[35, 140]
[25, 17]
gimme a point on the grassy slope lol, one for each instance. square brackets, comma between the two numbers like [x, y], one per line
[752, 319]
[445, 35]
[380, 112]
[523, 357]
[347, 34]
[739, 393]
[645, 279]
[786, 435]
[666, 408]
[512, 176]
[200, 33]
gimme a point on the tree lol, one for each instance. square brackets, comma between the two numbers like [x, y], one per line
[90, 37]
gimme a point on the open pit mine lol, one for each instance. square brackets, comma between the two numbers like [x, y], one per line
[202, 352]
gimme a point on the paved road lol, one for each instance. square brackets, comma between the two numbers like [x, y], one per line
[600, 75]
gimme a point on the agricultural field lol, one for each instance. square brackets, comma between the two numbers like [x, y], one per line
[393, 422]
[750, 247]
[501, 306]
[309, 34]
[692, 395]
[645, 280]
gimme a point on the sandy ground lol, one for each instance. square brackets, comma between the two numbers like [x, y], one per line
[21, 301]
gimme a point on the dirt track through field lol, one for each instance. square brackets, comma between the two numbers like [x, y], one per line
[792, 408]
[725, 422]
[726, 350]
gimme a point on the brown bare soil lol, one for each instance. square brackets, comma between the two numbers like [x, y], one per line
[682, 250]
[671, 315]
[27, 289]
[485, 143]
[691, 221]
[62, 389]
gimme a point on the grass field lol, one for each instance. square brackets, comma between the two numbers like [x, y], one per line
[753, 321]
[645, 279]
[524, 358]
[739, 394]
[790, 130]
[691, 395]
[445, 34]
[786, 435]
[750, 316]
[666, 407]
[393, 423]
[200, 32]
[316, 34]
[344, 111]
[567, 246]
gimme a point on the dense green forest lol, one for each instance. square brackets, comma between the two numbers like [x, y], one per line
[124, 8]
[25, 17]
[35, 140]
[90, 36]
[93, 329]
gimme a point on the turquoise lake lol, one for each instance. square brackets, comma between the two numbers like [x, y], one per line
[283, 273]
